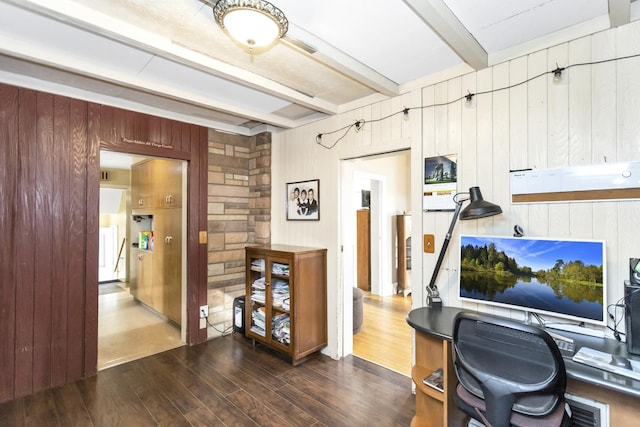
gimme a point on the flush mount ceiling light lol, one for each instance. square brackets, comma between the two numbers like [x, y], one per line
[255, 24]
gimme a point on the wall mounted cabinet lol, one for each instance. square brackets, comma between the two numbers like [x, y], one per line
[140, 278]
[167, 296]
[156, 183]
[156, 193]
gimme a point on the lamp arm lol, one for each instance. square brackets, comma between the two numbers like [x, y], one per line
[433, 296]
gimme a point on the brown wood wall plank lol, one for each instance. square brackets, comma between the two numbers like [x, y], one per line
[201, 149]
[49, 184]
[176, 136]
[8, 231]
[185, 131]
[203, 155]
[43, 242]
[153, 133]
[165, 132]
[60, 235]
[77, 210]
[24, 254]
[127, 125]
[92, 243]
[193, 295]
[125, 135]
[107, 124]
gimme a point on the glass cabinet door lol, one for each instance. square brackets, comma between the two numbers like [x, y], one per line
[280, 303]
[257, 300]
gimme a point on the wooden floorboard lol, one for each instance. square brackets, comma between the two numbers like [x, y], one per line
[385, 336]
[224, 382]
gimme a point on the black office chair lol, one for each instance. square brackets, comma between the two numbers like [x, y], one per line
[509, 373]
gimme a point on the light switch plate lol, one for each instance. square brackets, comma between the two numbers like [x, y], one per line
[429, 243]
[202, 237]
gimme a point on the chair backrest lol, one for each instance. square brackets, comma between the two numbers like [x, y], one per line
[510, 365]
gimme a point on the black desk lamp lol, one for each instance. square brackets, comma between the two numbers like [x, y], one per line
[478, 208]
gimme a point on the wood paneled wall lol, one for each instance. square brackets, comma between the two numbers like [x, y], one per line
[49, 204]
[589, 117]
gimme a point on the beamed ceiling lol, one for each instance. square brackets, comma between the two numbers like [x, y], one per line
[170, 58]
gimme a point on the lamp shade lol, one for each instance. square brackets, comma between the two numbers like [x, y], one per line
[252, 23]
[478, 208]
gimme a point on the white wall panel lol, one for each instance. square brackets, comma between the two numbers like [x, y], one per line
[579, 127]
[467, 169]
[376, 127]
[441, 124]
[591, 115]
[537, 99]
[580, 146]
[454, 115]
[428, 143]
[396, 121]
[447, 279]
[536, 223]
[628, 95]
[495, 182]
[385, 125]
[480, 157]
[518, 134]
[366, 134]
[603, 91]
[558, 113]
[518, 120]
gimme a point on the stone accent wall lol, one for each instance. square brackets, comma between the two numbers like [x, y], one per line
[239, 214]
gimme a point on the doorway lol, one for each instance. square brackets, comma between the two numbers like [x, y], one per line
[385, 337]
[107, 253]
[129, 325]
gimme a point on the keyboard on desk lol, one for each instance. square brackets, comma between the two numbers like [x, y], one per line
[602, 360]
[567, 348]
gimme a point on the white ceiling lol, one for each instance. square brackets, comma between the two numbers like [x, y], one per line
[170, 58]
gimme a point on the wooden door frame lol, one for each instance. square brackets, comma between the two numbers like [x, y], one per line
[194, 259]
[196, 235]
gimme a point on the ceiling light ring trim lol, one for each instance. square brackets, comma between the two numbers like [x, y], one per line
[223, 8]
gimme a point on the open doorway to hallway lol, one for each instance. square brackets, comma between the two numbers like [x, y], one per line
[380, 191]
[134, 318]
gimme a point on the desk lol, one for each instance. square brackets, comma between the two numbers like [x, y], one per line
[434, 329]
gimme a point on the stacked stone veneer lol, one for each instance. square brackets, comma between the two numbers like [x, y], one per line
[239, 214]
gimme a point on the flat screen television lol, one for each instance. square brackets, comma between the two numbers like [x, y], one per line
[558, 277]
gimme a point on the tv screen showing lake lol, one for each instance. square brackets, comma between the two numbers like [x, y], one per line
[554, 276]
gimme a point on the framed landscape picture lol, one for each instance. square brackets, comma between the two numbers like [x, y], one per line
[303, 200]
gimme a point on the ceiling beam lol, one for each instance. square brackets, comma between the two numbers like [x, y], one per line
[69, 13]
[443, 22]
[329, 56]
[619, 12]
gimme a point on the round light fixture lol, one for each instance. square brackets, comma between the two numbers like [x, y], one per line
[252, 23]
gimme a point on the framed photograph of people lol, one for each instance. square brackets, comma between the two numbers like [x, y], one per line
[303, 200]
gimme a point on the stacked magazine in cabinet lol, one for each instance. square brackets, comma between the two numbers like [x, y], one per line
[286, 289]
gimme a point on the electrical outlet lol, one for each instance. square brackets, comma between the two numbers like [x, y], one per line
[204, 311]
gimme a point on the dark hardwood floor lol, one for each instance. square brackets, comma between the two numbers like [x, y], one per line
[224, 382]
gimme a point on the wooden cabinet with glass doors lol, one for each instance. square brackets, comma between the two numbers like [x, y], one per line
[286, 299]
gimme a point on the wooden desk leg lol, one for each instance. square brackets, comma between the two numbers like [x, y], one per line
[433, 407]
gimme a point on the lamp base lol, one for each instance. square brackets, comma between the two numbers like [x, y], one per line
[434, 302]
[433, 297]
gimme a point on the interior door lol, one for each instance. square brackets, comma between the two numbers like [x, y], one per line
[363, 249]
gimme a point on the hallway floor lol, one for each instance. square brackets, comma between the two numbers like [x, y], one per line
[386, 337]
[127, 330]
